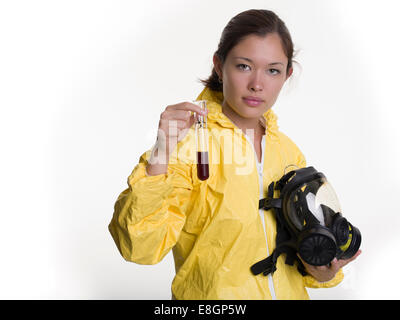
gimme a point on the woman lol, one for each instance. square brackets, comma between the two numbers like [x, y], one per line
[214, 226]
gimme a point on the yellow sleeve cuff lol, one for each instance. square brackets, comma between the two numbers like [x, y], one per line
[311, 282]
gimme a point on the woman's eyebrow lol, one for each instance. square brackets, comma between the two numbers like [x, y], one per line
[249, 60]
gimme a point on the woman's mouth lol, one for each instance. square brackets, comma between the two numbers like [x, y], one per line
[252, 101]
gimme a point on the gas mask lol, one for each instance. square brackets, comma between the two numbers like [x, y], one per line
[309, 222]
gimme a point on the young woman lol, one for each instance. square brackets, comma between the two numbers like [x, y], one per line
[214, 226]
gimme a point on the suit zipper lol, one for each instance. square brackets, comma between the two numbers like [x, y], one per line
[261, 211]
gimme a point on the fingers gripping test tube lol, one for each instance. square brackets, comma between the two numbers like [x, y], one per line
[202, 142]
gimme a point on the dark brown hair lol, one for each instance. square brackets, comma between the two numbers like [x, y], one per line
[259, 22]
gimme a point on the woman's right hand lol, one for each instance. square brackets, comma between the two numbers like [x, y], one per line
[175, 122]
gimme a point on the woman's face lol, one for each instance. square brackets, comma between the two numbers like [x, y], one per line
[254, 68]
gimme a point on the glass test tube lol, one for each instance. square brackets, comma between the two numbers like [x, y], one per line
[201, 142]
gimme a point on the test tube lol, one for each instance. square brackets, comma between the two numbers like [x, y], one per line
[201, 142]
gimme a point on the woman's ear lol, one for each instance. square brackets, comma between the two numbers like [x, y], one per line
[289, 73]
[217, 66]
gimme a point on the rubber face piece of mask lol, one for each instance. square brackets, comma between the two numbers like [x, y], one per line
[309, 222]
[312, 214]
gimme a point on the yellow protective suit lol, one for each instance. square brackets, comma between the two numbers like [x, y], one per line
[213, 227]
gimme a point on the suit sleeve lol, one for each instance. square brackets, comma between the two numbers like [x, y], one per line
[150, 214]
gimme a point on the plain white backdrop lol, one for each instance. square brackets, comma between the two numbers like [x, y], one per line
[82, 85]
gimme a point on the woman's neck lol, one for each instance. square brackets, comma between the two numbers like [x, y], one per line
[245, 124]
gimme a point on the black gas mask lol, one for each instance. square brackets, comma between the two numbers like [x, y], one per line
[309, 222]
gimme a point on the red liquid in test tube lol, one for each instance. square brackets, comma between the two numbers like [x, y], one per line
[202, 142]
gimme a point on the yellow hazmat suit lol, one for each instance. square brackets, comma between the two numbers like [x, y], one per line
[213, 227]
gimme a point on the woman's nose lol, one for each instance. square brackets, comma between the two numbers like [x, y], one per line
[256, 87]
[256, 84]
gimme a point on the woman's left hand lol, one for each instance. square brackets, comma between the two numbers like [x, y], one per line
[326, 273]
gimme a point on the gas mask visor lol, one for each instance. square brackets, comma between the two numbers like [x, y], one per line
[312, 213]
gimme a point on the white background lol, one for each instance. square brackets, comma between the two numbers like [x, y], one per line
[82, 84]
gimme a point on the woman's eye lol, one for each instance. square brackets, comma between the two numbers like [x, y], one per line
[243, 66]
[274, 71]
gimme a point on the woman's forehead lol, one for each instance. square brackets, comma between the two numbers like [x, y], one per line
[260, 49]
